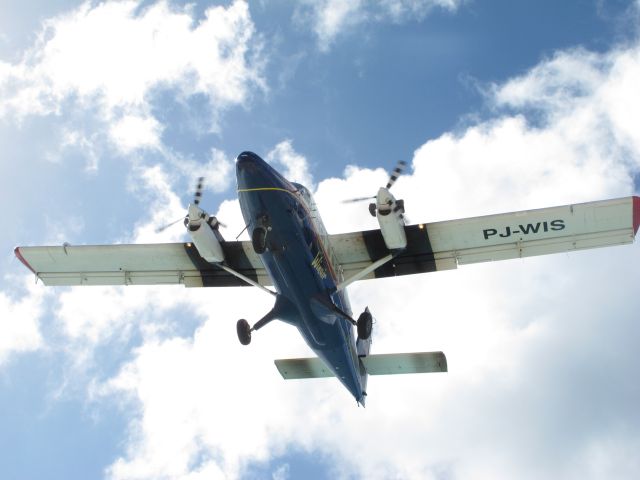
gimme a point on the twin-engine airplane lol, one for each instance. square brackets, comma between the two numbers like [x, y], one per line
[310, 269]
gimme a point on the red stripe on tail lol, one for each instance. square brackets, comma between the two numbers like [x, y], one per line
[636, 214]
[21, 258]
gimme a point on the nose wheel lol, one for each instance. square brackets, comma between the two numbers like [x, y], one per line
[259, 240]
[244, 332]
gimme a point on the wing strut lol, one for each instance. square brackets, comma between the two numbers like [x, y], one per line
[245, 279]
[363, 273]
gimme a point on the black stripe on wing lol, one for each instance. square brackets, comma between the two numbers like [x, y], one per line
[417, 258]
[213, 276]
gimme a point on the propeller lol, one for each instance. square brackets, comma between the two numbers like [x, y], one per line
[397, 171]
[164, 227]
[195, 212]
[360, 199]
[198, 195]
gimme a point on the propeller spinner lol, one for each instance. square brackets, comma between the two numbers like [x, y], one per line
[385, 202]
[195, 215]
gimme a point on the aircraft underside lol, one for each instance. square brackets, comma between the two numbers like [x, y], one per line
[295, 258]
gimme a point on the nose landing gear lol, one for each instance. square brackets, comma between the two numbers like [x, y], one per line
[259, 234]
[259, 240]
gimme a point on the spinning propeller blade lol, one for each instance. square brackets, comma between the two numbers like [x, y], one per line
[213, 221]
[396, 173]
[163, 228]
[198, 195]
[392, 179]
[354, 200]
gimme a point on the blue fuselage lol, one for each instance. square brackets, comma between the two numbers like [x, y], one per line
[300, 262]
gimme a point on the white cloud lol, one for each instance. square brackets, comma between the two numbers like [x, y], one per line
[406, 10]
[217, 171]
[193, 398]
[132, 132]
[111, 57]
[296, 167]
[20, 319]
[282, 472]
[157, 183]
[163, 206]
[331, 19]
[542, 352]
[77, 139]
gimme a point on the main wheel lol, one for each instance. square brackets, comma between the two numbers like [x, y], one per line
[259, 240]
[365, 325]
[244, 332]
[372, 209]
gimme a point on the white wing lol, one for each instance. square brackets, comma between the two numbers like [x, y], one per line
[445, 245]
[144, 264]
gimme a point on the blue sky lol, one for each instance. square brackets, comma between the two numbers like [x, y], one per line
[108, 114]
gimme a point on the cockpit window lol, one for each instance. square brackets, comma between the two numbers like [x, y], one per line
[302, 190]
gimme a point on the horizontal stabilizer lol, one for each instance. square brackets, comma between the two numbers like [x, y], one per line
[296, 368]
[397, 363]
[382, 364]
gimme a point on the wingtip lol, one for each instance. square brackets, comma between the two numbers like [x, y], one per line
[444, 365]
[636, 214]
[22, 259]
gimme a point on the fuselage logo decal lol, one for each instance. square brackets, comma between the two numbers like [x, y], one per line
[318, 265]
[527, 229]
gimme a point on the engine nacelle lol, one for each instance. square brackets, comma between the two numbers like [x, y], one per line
[203, 236]
[390, 217]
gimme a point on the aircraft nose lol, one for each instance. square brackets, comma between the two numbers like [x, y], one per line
[253, 172]
[250, 171]
[248, 162]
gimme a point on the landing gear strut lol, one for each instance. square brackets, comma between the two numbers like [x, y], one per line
[282, 309]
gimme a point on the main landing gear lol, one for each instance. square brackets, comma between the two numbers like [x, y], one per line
[282, 309]
[365, 324]
[244, 331]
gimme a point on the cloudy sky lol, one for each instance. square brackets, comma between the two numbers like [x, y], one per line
[108, 113]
